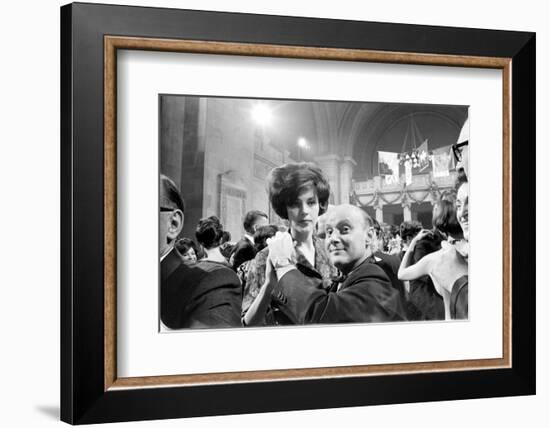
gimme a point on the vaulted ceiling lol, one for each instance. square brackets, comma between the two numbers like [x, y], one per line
[357, 129]
[360, 130]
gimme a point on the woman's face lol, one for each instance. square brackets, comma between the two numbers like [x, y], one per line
[303, 212]
[190, 255]
[462, 209]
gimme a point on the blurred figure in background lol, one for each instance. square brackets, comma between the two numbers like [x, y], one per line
[209, 235]
[260, 242]
[407, 231]
[187, 249]
[226, 246]
[244, 249]
[388, 262]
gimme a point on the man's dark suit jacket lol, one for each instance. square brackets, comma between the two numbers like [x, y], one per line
[366, 295]
[243, 251]
[390, 265]
[201, 295]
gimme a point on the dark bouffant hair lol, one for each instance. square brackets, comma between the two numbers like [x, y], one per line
[428, 244]
[286, 182]
[184, 244]
[445, 220]
[409, 229]
[461, 178]
[209, 232]
[250, 218]
[262, 234]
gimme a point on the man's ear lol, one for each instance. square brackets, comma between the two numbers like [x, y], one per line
[176, 224]
[369, 236]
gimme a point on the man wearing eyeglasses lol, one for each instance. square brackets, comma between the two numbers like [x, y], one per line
[170, 217]
[190, 296]
[462, 158]
[459, 291]
[460, 149]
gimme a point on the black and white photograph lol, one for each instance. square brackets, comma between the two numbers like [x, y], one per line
[278, 212]
[255, 214]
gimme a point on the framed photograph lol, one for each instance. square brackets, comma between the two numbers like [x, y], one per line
[266, 213]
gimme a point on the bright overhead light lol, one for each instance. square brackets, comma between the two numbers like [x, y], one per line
[302, 143]
[262, 114]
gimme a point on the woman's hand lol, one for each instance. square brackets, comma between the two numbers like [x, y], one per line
[282, 255]
[281, 249]
[423, 233]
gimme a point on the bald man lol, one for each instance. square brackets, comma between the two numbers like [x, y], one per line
[365, 293]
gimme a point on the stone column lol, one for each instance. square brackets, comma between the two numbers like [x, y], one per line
[406, 204]
[379, 214]
[330, 164]
[346, 172]
[407, 212]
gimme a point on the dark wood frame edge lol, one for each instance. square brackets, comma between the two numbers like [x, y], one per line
[113, 43]
[83, 396]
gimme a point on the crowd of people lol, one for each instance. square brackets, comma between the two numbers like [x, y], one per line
[328, 264]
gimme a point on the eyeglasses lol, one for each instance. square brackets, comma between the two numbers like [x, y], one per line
[167, 209]
[457, 150]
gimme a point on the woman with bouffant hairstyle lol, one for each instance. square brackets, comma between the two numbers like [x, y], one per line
[299, 193]
[286, 182]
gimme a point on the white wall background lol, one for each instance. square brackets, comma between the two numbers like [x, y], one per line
[29, 217]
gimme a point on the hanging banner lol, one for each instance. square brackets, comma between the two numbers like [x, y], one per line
[408, 172]
[388, 167]
[452, 162]
[441, 161]
[423, 157]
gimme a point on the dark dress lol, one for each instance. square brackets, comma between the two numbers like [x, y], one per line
[459, 299]
[202, 295]
[425, 303]
[390, 265]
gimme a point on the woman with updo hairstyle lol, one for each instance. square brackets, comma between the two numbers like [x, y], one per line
[213, 286]
[209, 234]
[298, 193]
[446, 264]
